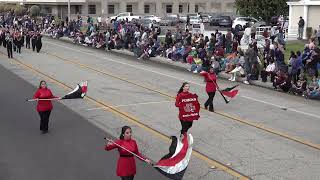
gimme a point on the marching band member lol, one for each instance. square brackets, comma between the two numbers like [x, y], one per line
[126, 167]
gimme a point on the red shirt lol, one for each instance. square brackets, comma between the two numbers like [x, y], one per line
[126, 165]
[211, 80]
[44, 93]
[180, 105]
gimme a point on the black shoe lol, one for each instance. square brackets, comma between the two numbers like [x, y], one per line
[44, 132]
[206, 106]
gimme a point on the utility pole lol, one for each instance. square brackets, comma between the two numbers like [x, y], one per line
[69, 19]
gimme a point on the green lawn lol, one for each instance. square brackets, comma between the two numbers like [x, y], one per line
[293, 46]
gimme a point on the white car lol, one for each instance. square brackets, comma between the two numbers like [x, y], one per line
[153, 18]
[195, 20]
[124, 16]
[242, 21]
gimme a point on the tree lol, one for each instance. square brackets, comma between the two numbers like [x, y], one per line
[19, 10]
[34, 10]
[262, 8]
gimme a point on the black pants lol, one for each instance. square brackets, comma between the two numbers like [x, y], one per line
[38, 47]
[44, 120]
[18, 49]
[209, 102]
[318, 41]
[28, 44]
[127, 177]
[9, 50]
[33, 44]
[185, 126]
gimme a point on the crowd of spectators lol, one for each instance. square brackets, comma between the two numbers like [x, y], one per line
[223, 52]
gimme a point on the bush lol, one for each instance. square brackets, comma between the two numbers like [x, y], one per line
[8, 7]
[19, 10]
[34, 10]
[309, 32]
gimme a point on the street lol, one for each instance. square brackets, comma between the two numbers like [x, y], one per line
[261, 134]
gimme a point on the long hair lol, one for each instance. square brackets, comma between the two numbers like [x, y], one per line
[123, 130]
[181, 88]
[41, 83]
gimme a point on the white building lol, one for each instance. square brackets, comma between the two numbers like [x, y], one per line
[309, 10]
[112, 7]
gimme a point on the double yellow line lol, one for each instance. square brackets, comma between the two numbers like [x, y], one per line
[135, 121]
[252, 124]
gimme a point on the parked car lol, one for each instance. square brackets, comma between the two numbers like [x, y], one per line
[250, 21]
[169, 21]
[183, 19]
[153, 18]
[124, 16]
[206, 18]
[148, 23]
[225, 21]
[195, 20]
[214, 21]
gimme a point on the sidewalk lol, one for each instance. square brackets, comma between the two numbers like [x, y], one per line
[179, 65]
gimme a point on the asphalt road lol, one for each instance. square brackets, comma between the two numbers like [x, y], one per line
[72, 150]
[142, 93]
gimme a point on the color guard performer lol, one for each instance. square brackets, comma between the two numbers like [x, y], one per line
[44, 107]
[126, 167]
[188, 108]
[211, 87]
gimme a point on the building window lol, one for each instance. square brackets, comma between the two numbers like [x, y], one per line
[196, 8]
[111, 9]
[77, 9]
[129, 8]
[92, 9]
[169, 8]
[180, 9]
[147, 9]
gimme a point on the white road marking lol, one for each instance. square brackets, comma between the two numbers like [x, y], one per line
[125, 105]
[181, 79]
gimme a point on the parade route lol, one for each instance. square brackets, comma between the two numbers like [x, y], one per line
[253, 133]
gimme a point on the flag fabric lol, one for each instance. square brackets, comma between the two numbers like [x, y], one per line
[230, 92]
[79, 92]
[174, 164]
[190, 108]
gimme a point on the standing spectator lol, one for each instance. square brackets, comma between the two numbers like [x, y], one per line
[318, 36]
[301, 28]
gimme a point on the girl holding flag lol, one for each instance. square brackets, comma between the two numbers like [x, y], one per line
[211, 87]
[44, 107]
[127, 148]
[188, 108]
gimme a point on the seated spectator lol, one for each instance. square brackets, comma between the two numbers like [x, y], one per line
[299, 87]
[282, 81]
[196, 66]
[269, 71]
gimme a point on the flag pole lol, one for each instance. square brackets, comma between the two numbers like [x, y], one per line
[125, 149]
[225, 99]
[50, 99]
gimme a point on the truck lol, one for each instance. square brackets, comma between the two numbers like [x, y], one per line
[124, 16]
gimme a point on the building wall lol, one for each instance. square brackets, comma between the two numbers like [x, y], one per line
[297, 11]
[314, 14]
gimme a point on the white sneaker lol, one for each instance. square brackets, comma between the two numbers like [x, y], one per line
[195, 71]
[230, 79]
[233, 80]
[246, 82]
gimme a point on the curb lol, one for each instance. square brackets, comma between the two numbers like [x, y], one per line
[176, 64]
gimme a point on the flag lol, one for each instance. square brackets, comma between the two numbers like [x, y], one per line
[189, 108]
[229, 92]
[174, 164]
[79, 92]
